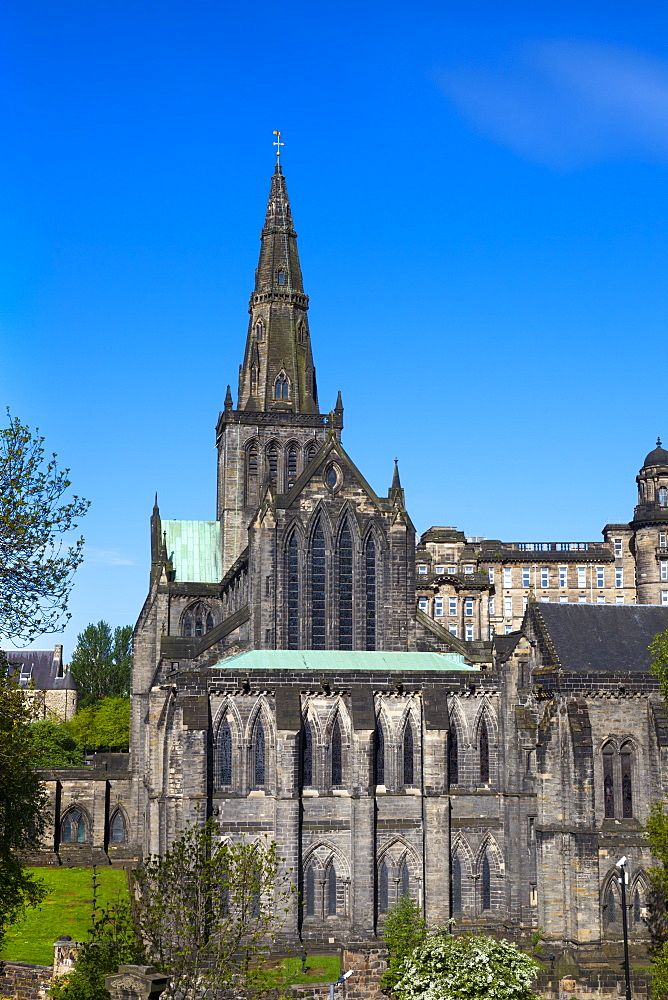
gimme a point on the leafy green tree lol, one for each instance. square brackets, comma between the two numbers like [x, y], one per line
[404, 930]
[35, 570]
[101, 661]
[659, 666]
[103, 726]
[53, 745]
[23, 804]
[208, 909]
[656, 830]
[466, 967]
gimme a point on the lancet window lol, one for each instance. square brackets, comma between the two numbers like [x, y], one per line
[252, 464]
[618, 781]
[453, 756]
[74, 828]
[380, 753]
[318, 589]
[383, 888]
[292, 567]
[117, 828]
[456, 884]
[307, 754]
[483, 746]
[309, 454]
[272, 460]
[486, 884]
[408, 754]
[331, 891]
[337, 760]
[292, 458]
[370, 592]
[282, 386]
[345, 588]
[259, 755]
[225, 753]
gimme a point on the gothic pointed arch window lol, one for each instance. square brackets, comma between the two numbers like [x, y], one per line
[291, 464]
[310, 891]
[483, 748]
[292, 590]
[610, 915]
[408, 753]
[307, 753]
[331, 890]
[259, 755]
[383, 888]
[486, 883]
[225, 753]
[301, 332]
[345, 587]
[252, 473]
[370, 592]
[380, 753]
[626, 767]
[74, 827]
[336, 754]
[281, 276]
[259, 331]
[282, 386]
[637, 908]
[404, 879]
[456, 884]
[197, 621]
[254, 379]
[608, 781]
[318, 589]
[453, 755]
[309, 453]
[117, 833]
[272, 461]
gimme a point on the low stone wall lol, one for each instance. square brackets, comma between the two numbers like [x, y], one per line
[24, 981]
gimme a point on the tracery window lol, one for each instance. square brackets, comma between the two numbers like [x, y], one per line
[197, 621]
[282, 386]
[251, 474]
[383, 888]
[486, 884]
[310, 891]
[627, 783]
[74, 829]
[483, 744]
[610, 905]
[117, 828]
[370, 592]
[345, 588]
[456, 884]
[259, 754]
[272, 459]
[307, 754]
[380, 754]
[337, 761]
[318, 589]
[637, 908]
[608, 782]
[408, 754]
[225, 753]
[404, 879]
[331, 891]
[291, 463]
[293, 592]
[309, 454]
[453, 756]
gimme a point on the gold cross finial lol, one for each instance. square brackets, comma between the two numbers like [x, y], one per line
[278, 145]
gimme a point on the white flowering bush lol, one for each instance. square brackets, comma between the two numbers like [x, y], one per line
[466, 967]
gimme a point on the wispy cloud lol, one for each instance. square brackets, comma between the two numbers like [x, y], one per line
[108, 557]
[569, 103]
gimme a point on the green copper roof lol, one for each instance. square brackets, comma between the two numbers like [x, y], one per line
[194, 549]
[336, 659]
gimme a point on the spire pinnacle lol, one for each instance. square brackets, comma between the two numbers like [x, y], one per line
[658, 442]
[396, 482]
[278, 145]
[228, 399]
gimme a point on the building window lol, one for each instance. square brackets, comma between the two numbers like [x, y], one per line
[452, 606]
[291, 463]
[117, 828]
[662, 539]
[281, 276]
[491, 574]
[525, 578]
[440, 570]
[486, 884]
[468, 570]
[337, 761]
[563, 600]
[664, 597]
[197, 621]
[507, 577]
[259, 331]
[74, 829]
[345, 588]
[259, 754]
[310, 892]
[380, 754]
[600, 599]
[525, 601]
[663, 497]
[618, 547]
[609, 906]
[452, 570]
[468, 633]
[405, 880]
[582, 576]
[490, 605]
[563, 576]
[282, 386]
[383, 888]
[619, 599]
[507, 606]
[508, 629]
[309, 454]
[468, 606]
[483, 745]
[422, 570]
[438, 607]
[545, 577]
[456, 885]
[619, 578]
[293, 592]
[600, 576]
[307, 754]
[331, 891]
[251, 474]
[225, 753]
[608, 783]
[452, 629]
[664, 569]
[422, 604]
[627, 784]
[545, 600]
[453, 756]
[370, 595]
[318, 589]
[408, 754]
[582, 600]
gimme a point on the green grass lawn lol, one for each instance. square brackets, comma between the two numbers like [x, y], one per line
[319, 968]
[65, 910]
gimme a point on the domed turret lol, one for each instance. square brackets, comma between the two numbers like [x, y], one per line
[650, 524]
[657, 457]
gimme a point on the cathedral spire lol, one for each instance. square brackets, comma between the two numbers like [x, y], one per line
[278, 372]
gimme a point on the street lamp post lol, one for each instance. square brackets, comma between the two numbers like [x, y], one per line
[621, 865]
[338, 982]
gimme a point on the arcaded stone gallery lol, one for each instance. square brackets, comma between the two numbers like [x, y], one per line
[294, 674]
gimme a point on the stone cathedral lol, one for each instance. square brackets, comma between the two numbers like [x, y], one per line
[288, 681]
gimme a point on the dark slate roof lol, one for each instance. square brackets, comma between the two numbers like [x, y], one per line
[504, 645]
[602, 637]
[44, 667]
[657, 457]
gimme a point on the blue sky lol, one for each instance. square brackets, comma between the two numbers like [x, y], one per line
[479, 192]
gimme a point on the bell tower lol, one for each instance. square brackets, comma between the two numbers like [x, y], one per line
[650, 524]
